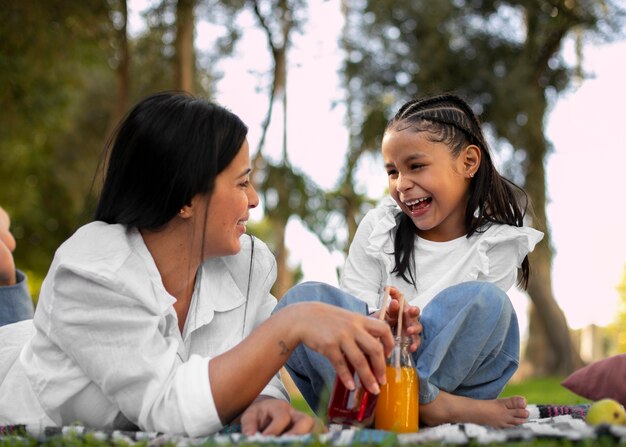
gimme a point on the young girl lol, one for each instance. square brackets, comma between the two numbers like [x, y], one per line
[451, 242]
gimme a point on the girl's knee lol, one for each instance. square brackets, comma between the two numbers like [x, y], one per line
[307, 291]
[483, 299]
[320, 292]
[299, 293]
[488, 296]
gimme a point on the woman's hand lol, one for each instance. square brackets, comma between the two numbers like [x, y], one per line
[411, 326]
[343, 336]
[274, 417]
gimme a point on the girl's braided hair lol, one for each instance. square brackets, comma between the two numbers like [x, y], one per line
[450, 120]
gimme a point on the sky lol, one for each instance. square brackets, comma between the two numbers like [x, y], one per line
[586, 173]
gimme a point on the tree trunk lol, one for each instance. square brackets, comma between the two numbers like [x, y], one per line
[278, 91]
[284, 277]
[122, 71]
[185, 60]
[550, 350]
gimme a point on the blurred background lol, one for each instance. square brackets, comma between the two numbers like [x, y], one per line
[316, 82]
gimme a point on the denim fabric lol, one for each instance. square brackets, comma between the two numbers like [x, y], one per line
[313, 373]
[470, 342]
[15, 301]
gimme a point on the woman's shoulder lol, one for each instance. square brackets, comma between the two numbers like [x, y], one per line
[97, 246]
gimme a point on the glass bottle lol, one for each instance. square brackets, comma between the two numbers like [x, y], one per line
[351, 407]
[397, 408]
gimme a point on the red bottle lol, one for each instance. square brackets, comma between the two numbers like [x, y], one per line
[351, 407]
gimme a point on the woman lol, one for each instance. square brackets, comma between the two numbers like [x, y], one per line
[156, 314]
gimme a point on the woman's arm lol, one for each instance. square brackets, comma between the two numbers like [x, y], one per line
[331, 331]
[121, 344]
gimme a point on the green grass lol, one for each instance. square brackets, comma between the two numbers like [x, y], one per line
[546, 390]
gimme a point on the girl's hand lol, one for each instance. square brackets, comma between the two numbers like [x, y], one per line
[411, 326]
[343, 336]
[272, 417]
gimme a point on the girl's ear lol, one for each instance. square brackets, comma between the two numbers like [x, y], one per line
[471, 160]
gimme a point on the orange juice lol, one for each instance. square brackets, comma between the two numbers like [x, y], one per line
[397, 408]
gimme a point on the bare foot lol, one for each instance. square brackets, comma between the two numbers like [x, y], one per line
[449, 408]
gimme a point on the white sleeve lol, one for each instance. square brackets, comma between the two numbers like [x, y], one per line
[502, 267]
[505, 252]
[119, 343]
[363, 275]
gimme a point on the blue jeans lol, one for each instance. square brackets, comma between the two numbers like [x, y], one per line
[470, 342]
[15, 301]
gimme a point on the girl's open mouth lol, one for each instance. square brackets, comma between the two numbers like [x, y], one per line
[418, 204]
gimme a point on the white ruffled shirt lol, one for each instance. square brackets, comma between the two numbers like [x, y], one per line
[107, 349]
[494, 256]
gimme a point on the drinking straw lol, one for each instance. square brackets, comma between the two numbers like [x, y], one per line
[381, 315]
[399, 336]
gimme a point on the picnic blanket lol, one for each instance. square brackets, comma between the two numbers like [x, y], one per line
[546, 421]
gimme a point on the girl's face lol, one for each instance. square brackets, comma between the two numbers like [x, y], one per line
[428, 183]
[229, 205]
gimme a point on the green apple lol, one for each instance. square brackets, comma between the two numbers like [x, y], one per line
[606, 411]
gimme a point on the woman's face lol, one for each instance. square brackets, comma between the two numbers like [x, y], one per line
[229, 205]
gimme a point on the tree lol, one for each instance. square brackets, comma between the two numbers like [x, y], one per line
[505, 58]
[185, 60]
[122, 61]
[619, 327]
[284, 190]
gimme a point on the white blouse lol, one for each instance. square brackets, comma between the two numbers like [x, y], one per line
[493, 256]
[107, 349]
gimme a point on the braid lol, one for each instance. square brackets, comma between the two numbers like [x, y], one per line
[450, 120]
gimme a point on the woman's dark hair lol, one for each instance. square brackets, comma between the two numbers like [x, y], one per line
[170, 147]
[450, 120]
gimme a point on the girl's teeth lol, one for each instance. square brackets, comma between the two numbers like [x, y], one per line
[415, 202]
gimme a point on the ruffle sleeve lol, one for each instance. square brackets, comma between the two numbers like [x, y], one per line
[370, 258]
[380, 241]
[501, 250]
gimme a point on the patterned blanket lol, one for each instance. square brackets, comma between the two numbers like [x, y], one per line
[546, 421]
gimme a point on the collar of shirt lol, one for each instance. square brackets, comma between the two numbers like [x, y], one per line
[216, 291]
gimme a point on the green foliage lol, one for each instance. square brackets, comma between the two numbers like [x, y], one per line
[57, 61]
[47, 52]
